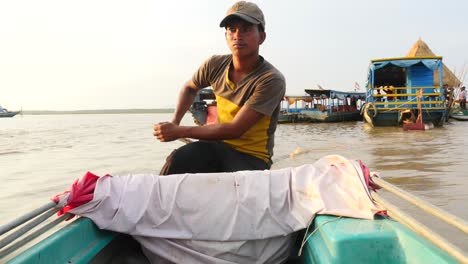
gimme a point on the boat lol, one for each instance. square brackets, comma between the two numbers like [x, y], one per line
[391, 237]
[459, 114]
[287, 117]
[333, 106]
[203, 108]
[317, 106]
[337, 241]
[5, 113]
[396, 86]
[291, 108]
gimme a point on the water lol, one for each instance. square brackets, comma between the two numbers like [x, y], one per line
[41, 155]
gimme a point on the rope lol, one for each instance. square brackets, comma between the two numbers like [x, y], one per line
[407, 110]
[366, 109]
[306, 237]
[185, 140]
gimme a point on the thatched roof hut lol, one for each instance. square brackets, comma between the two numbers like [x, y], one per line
[419, 49]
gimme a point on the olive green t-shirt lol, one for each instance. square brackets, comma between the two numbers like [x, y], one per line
[262, 90]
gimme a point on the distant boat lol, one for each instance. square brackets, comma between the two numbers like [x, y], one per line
[318, 106]
[459, 114]
[397, 86]
[291, 108]
[5, 113]
[333, 106]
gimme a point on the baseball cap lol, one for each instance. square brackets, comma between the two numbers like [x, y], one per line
[247, 11]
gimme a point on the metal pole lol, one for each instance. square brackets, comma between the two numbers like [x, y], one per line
[22, 219]
[32, 236]
[431, 209]
[421, 229]
[441, 74]
[24, 229]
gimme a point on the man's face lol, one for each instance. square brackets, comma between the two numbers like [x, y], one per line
[243, 38]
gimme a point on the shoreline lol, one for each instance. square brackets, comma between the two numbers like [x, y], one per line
[102, 111]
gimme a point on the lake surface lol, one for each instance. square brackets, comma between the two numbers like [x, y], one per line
[41, 155]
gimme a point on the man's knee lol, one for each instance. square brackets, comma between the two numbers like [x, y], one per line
[167, 167]
[192, 158]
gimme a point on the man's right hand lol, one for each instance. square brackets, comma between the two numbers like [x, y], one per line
[166, 131]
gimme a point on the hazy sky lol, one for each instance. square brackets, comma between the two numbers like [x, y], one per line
[70, 55]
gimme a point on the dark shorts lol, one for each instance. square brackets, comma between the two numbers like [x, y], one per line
[210, 156]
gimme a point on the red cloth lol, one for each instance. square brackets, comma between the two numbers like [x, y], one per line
[370, 184]
[418, 125]
[367, 177]
[81, 192]
[212, 115]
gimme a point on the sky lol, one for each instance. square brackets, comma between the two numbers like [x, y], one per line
[94, 54]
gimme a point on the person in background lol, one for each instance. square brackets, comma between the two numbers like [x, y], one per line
[446, 92]
[462, 98]
[378, 90]
[389, 89]
[248, 92]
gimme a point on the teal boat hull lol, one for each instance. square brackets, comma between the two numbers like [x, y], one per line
[336, 240]
[79, 242]
[382, 240]
[459, 114]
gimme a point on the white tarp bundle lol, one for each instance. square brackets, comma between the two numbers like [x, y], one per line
[183, 218]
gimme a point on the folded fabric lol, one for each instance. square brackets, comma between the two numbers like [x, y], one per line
[185, 216]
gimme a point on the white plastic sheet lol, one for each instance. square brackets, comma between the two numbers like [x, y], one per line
[240, 217]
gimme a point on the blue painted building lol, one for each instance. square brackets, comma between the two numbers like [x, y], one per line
[399, 88]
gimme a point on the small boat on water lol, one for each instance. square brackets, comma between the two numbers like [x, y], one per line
[292, 107]
[394, 237]
[5, 113]
[397, 87]
[459, 114]
[333, 106]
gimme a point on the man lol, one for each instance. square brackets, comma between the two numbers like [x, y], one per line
[248, 92]
[462, 98]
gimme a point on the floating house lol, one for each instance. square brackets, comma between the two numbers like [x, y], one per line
[398, 89]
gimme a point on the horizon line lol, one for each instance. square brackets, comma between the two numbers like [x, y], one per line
[92, 111]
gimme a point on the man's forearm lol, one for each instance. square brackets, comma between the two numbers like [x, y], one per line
[210, 132]
[186, 97]
[244, 120]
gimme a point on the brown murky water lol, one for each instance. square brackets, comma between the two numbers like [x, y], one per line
[42, 155]
[429, 164]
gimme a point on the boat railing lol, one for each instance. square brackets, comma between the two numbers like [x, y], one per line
[419, 228]
[17, 233]
[402, 98]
